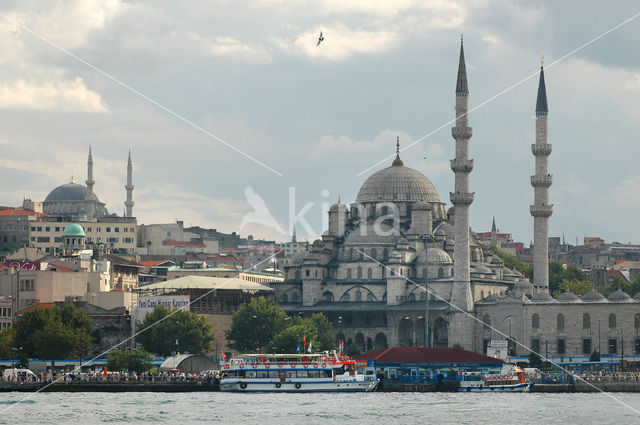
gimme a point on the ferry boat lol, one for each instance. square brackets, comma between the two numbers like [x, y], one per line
[511, 379]
[295, 373]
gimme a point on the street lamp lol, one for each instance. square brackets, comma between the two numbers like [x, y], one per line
[599, 346]
[177, 334]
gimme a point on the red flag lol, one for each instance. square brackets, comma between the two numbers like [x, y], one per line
[104, 372]
[304, 340]
[224, 356]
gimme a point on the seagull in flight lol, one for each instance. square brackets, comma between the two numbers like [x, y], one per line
[320, 39]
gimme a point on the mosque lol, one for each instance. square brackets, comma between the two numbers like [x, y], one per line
[371, 271]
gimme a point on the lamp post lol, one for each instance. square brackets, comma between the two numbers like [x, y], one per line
[177, 334]
[621, 348]
[599, 346]
[427, 328]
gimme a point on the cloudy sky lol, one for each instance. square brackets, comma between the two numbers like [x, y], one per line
[196, 89]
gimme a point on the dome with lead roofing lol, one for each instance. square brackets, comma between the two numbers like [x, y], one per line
[619, 297]
[592, 297]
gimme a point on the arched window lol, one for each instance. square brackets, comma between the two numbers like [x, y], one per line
[369, 273]
[612, 321]
[535, 321]
[348, 273]
[440, 273]
[385, 210]
[285, 299]
[358, 296]
[295, 297]
[560, 322]
[373, 253]
[359, 272]
[586, 321]
[346, 298]
[370, 297]
[486, 319]
[423, 296]
[412, 297]
[385, 254]
[327, 296]
[636, 321]
[351, 254]
[297, 274]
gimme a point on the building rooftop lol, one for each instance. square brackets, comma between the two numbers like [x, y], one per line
[205, 282]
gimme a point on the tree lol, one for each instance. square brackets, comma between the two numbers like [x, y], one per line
[6, 342]
[595, 357]
[558, 272]
[512, 262]
[255, 325]
[325, 340]
[162, 328]
[58, 332]
[137, 361]
[535, 360]
[578, 287]
[352, 349]
[288, 340]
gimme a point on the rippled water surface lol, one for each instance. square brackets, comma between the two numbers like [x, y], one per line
[360, 408]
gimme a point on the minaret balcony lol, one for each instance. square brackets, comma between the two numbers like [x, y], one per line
[541, 210]
[461, 198]
[541, 181]
[541, 149]
[462, 165]
[461, 132]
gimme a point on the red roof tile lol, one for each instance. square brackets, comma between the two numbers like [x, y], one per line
[150, 264]
[34, 306]
[426, 355]
[19, 211]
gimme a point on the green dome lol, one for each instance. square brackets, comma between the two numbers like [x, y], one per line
[73, 230]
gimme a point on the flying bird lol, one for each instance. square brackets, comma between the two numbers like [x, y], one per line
[320, 39]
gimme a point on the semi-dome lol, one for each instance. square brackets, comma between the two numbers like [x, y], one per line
[592, 297]
[69, 192]
[568, 297]
[397, 183]
[619, 297]
[373, 234]
[73, 229]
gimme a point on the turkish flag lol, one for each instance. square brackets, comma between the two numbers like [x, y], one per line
[104, 372]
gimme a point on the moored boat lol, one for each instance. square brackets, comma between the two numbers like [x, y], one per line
[295, 373]
[511, 379]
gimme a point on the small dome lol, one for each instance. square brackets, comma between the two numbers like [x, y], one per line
[73, 229]
[437, 255]
[490, 299]
[568, 297]
[496, 260]
[481, 268]
[592, 297]
[542, 297]
[506, 271]
[619, 297]
[517, 273]
[524, 285]
[338, 206]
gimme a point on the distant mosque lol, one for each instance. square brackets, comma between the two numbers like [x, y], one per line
[75, 200]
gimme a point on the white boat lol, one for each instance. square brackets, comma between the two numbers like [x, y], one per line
[295, 373]
[511, 379]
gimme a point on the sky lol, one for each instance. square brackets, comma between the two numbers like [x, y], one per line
[223, 98]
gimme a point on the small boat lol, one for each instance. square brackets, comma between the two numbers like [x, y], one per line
[295, 373]
[511, 379]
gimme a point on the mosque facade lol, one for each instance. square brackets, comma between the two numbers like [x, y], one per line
[371, 271]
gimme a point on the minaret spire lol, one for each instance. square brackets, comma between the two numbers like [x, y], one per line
[541, 210]
[493, 225]
[397, 162]
[129, 203]
[461, 198]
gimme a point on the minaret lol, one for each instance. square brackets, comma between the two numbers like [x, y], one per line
[129, 203]
[541, 210]
[461, 198]
[90, 182]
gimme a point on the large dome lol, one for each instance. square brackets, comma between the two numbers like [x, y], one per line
[397, 183]
[69, 192]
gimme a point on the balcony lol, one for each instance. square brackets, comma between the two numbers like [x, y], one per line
[461, 132]
[541, 210]
[462, 165]
[460, 198]
[541, 181]
[541, 149]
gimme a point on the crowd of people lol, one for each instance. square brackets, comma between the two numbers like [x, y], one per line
[104, 376]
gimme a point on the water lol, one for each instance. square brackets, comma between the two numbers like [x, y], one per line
[303, 409]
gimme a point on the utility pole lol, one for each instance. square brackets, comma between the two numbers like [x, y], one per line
[427, 340]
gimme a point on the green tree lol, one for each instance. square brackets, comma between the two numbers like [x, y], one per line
[324, 341]
[352, 349]
[58, 332]
[287, 341]
[578, 287]
[255, 325]
[162, 327]
[6, 342]
[535, 360]
[595, 357]
[512, 262]
[558, 272]
[137, 361]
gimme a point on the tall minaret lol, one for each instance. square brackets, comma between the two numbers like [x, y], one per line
[90, 182]
[461, 198]
[129, 203]
[541, 210]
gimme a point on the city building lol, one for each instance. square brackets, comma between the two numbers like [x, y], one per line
[6, 312]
